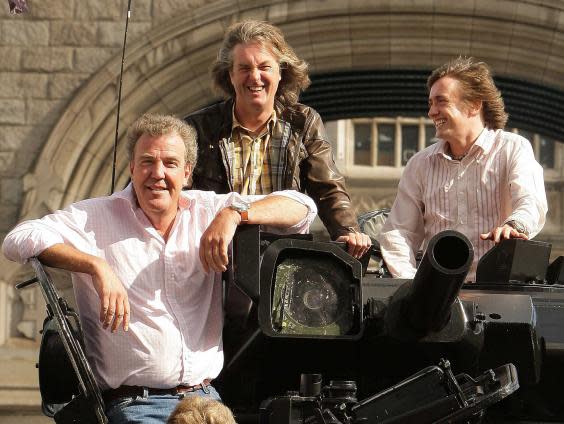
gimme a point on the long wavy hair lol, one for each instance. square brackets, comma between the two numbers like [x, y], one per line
[477, 85]
[293, 70]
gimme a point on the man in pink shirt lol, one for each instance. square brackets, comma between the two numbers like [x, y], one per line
[148, 259]
[477, 179]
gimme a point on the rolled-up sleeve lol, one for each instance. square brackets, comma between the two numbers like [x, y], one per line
[404, 230]
[30, 238]
[526, 183]
[302, 226]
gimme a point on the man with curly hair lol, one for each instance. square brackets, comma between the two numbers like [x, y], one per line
[149, 259]
[477, 179]
[261, 139]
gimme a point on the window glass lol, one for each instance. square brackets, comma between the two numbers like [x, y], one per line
[409, 141]
[386, 137]
[430, 135]
[546, 152]
[362, 144]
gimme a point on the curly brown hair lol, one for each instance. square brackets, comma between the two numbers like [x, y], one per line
[477, 85]
[155, 124]
[293, 70]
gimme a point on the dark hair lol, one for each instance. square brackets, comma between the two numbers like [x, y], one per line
[293, 70]
[477, 85]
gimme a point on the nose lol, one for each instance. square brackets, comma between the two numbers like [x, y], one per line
[432, 110]
[255, 74]
[157, 170]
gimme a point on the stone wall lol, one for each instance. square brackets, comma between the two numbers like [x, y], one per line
[46, 55]
[60, 65]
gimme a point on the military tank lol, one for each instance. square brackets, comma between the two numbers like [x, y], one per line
[301, 312]
[316, 310]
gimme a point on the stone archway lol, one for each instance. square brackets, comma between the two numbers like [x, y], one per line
[167, 69]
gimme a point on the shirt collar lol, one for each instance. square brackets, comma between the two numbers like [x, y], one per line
[236, 124]
[484, 142]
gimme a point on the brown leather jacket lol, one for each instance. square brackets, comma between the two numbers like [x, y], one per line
[302, 156]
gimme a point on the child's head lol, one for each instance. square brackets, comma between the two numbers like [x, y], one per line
[200, 410]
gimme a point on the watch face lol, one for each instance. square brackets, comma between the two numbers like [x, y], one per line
[240, 205]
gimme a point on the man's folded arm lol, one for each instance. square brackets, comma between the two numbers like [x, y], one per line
[54, 241]
[288, 210]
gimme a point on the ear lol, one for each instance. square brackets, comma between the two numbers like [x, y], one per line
[187, 173]
[475, 108]
[131, 167]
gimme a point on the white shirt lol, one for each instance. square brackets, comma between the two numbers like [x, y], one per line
[498, 180]
[174, 335]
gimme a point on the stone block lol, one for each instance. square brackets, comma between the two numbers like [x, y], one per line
[365, 7]
[169, 8]
[27, 156]
[505, 8]
[23, 85]
[25, 33]
[64, 85]
[7, 160]
[141, 10]
[12, 111]
[89, 59]
[47, 59]
[52, 9]
[277, 12]
[9, 213]
[44, 112]
[111, 33]
[11, 57]
[100, 9]
[11, 191]
[553, 72]
[326, 7]
[12, 137]
[73, 33]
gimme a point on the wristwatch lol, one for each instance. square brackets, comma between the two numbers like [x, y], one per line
[517, 226]
[243, 208]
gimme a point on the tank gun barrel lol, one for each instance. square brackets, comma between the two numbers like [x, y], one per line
[438, 280]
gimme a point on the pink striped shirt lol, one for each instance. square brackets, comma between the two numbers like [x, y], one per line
[498, 180]
[174, 335]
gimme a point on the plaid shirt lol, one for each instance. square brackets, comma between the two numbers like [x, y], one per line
[251, 165]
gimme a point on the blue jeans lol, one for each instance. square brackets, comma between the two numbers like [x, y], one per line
[153, 409]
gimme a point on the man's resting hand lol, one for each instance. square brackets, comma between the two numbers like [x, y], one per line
[114, 302]
[503, 233]
[358, 243]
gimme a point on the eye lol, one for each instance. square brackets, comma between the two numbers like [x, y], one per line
[172, 163]
[265, 67]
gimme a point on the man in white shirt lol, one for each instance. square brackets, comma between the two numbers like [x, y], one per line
[477, 179]
[148, 259]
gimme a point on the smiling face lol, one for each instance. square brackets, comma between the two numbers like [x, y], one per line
[255, 77]
[454, 119]
[158, 173]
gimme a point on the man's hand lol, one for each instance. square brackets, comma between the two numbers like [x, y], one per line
[216, 239]
[114, 302]
[358, 243]
[502, 233]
